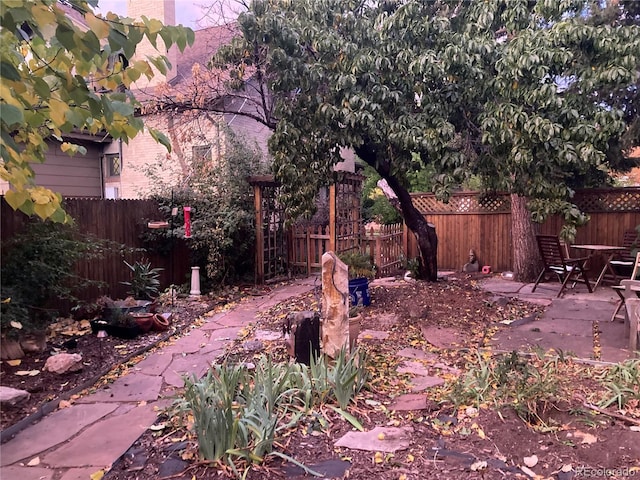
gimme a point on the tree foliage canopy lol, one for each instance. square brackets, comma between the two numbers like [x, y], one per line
[59, 77]
[509, 90]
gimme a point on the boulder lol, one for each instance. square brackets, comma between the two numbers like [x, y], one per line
[63, 363]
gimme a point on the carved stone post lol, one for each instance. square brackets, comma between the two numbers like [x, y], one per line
[335, 305]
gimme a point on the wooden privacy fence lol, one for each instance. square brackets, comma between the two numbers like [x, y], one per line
[387, 246]
[120, 221]
[483, 223]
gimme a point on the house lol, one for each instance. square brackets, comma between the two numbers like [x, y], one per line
[114, 169]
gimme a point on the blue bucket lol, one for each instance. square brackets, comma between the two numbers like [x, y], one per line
[359, 292]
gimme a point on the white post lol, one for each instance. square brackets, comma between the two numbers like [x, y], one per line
[195, 282]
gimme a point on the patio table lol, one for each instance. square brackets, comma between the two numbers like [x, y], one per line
[606, 252]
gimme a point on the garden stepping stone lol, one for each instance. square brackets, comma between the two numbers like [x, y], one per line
[441, 337]
[409, 402]
[171, 467]
[422, 382]
[268, 335]
[52, 430]
[380, 439]
[333, 468]
[372, 335]
[417, 354]
[414, 368]
[135, 387]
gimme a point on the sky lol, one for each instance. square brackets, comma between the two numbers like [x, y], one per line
[188, 12]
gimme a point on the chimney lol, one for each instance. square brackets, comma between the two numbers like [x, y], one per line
[165, 11]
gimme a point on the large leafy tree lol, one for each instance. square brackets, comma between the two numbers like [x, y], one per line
[59, 77]
[512, 91]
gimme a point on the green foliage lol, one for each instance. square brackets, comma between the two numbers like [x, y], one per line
[223, 216]
[360, 264]
[37, 266]
[145, 280]
[622, 382]
[239, 412]
[508, 91]
[375, 205]
[521, 383]
[58, 78]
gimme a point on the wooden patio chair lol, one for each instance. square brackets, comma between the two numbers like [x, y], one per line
[558, 264]
[622, 263]
[620, 289]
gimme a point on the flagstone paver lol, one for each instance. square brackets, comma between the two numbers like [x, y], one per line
[379, 439]
[27, 473]
[52, 430]
[417, 354]
[192, 364]
[409, 402]
[441, 337]
[190, 343]
[103, 442]
[134, 387]
[79, 473]
[154, 364]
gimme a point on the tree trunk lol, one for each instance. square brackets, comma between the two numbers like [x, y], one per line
[424, 231]
[526, 258]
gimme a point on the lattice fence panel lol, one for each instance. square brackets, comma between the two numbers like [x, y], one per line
[592, 200]
[462, 203]
[614, 200]
[349, 226]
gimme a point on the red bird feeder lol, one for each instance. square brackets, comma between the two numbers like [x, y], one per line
[187, 222]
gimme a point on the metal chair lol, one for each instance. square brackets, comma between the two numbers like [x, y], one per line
[557, 263]
[620, 289]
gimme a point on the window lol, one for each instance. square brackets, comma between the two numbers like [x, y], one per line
[114, 165]
[201, 152]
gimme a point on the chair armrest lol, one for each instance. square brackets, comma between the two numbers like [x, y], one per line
[630, 287]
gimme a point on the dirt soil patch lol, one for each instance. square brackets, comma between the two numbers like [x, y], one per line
[471, 441]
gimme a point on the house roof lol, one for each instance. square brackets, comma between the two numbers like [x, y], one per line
[207, 42]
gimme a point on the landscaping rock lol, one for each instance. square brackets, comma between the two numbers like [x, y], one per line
[13, 396]
[64, 363]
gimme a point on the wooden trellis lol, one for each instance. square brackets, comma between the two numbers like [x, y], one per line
[298, 249]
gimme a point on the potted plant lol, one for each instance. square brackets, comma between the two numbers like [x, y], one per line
[144, 283]
[361, 270]
[116, 319]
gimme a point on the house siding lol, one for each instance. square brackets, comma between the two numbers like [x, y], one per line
[77, 176]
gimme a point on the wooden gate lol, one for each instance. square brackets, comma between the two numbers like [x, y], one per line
[271, 238]
[298, 249]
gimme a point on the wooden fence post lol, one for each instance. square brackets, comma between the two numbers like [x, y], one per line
[259, 255]
[332, 218]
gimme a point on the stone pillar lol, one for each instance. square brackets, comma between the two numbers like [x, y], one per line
[335, 305]
[195, 282]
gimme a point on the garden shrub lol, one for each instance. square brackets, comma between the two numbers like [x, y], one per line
[222, 211]
[38, 265]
